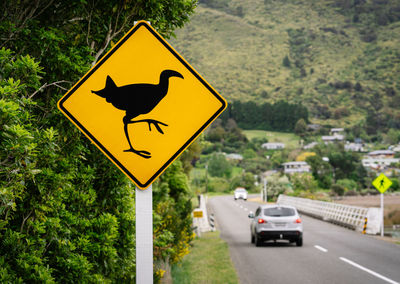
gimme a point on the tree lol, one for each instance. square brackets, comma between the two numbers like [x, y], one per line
[338, 189]
[300, 127]
[245, 180]
[278, 185]
[249, 154]
[66, 212]
[347, 184]
[304, 182]
[218, 166]
[321, 170]
[286, 61]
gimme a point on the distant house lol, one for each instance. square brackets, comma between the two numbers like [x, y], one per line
[354, 147]
[379, 163]
[268, 173]
[379, 160]
[395, 148]
[296, 167]
[273, 146]
[234, 156]
[313, 127]
[332, 139]
[336, 131]
[310, 145]
[381, 154]
[358, 140]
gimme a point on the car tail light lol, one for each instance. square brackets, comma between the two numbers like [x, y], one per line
[261, 221]
[298, 221]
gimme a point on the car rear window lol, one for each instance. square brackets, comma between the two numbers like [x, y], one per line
[279, 212]
[240, 190]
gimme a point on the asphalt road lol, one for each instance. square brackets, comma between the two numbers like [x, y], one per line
[330, 253]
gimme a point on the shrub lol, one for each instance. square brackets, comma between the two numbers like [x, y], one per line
[338, 189]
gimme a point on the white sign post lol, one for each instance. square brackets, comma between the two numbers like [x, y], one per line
[144, 235]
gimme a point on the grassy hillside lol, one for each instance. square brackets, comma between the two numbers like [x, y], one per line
[340, 60]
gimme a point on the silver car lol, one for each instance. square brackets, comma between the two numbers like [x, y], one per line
[276, 222]
[240, 192]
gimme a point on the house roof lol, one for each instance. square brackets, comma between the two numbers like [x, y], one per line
[332, 138]
[381, 152]
[301, 163]
[337, 129]
[273, 144]
[234, 156]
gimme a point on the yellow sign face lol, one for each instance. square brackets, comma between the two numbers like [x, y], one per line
[198, 214]
[382, 183]
[142, 104]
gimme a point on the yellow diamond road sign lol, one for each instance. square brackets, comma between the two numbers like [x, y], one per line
[142, 104]
[382, 183]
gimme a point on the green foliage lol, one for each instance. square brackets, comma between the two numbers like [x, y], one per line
[338, 189]
[321, 170]
[281, 116]
[395, 184]
[66, 212]
[341, 54]
[347, 184]
[218, 184]
[218, 166]
[278, 185]
[392, 137]
[304, 182]
[301, 127]
[245, 180]
[50, 229]
[249, 154]
[286, 61]
[225, 136]
[172, 216]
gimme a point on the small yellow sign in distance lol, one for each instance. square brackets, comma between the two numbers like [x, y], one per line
[142, 104]
[382, 183]
[198, 214]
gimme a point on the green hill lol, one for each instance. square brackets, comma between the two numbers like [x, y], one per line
[340, 58]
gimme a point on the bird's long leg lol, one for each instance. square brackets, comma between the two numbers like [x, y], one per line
[150, 122]
[141, 153]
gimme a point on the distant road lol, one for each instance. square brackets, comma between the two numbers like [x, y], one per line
[330, 253]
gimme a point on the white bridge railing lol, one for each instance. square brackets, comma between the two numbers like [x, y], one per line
[345, 215]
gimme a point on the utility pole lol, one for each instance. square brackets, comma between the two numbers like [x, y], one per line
[265, 190]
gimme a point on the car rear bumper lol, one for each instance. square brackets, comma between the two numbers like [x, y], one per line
[241, 197]
[280, 235]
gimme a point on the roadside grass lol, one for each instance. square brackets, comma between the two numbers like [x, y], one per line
[208, 262]
[289, 139]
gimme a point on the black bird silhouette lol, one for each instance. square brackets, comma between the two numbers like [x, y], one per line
[137, 99]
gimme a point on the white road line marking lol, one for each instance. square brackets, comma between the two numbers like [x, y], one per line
[321, 248]
[368, 270]
[245, 209]
[241, 206]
